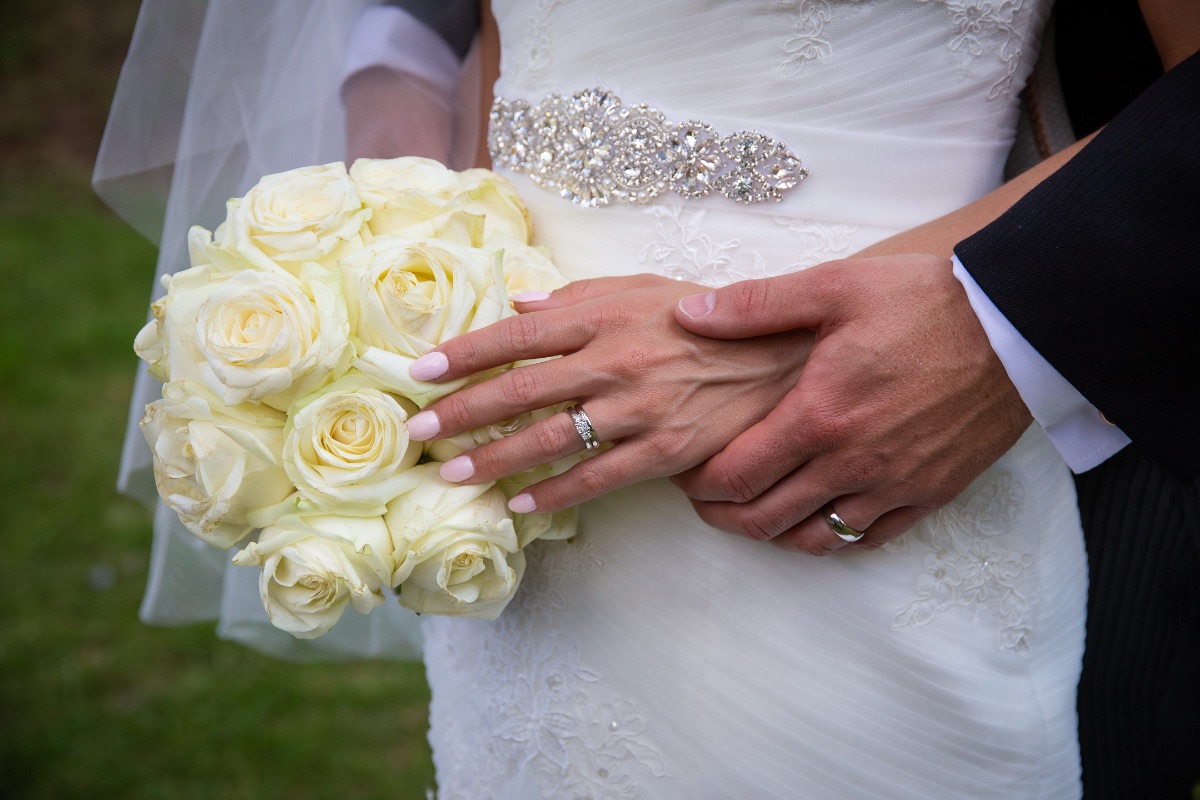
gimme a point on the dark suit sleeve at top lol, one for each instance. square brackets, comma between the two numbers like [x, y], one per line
[1099, 269]
[456, 21]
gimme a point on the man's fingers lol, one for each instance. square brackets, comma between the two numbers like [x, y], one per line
[758, 307]
[787, 503]
[815, 536]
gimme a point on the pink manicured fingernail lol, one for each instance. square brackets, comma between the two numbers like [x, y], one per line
[698, 305]
[457, 469]
[423, 426]
[428, 367]
[529, 297]
[521, 504]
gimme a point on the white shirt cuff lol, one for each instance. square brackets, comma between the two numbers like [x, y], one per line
[386, 36]
[1074, 426]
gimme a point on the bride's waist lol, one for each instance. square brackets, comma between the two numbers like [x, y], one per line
[884, 179]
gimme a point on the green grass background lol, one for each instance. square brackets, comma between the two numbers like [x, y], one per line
[92, 703]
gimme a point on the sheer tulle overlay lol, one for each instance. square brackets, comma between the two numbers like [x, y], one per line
[215, 94]
[654, 657]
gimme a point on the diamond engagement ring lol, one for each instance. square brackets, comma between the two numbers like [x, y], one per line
[583, 426]
[839, 526]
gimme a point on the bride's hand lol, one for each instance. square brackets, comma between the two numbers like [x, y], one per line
[667, 398]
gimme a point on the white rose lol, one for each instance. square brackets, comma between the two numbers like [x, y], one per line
[151, 342]
[249, 336]
[526, 268]
[455, 548]
[314, 567]
[307, 214]
[346, 447]
[420, 197]
[214, 466]
[406, 296]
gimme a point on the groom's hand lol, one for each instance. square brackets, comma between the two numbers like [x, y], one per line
[902, 403]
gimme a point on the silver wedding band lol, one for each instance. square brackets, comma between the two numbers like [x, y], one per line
[839, 526]
[583, 426]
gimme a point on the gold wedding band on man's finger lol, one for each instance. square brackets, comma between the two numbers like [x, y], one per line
[839, 526]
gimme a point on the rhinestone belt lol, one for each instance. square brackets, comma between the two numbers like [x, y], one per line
[593, 151]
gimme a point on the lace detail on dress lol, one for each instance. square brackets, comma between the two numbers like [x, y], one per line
[973, 564]
[983, 26]
[681, 250]
[528, 61]
[817, 242]
[807, 43]
[547, 713]
[980, 27]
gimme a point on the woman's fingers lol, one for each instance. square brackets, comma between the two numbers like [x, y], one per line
[590, 478]
[578, 291]
[519, 338]
[553, 330]
[503, 397]
[542, 442]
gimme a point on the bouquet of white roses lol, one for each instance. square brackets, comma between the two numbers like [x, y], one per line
[284, 351]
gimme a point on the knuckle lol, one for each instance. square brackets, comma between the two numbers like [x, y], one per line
[463, 353]
[634, 362]
[815, 548]
[826, 430]
[664, 448]
[607, 317]
[584, 288]
[553, 439]
[594, 481]
[453, 412]
[751, 298]
[734, 486]
[520, 387]
[755, 525]
[864, 470]
[521, 333]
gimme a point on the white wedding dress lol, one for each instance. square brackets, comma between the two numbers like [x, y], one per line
[654, 657]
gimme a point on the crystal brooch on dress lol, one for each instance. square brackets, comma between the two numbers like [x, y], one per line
[593, 150]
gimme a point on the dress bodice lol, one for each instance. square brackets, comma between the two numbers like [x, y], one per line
[879, 98]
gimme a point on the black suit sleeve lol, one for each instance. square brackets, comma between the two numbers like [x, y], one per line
[1099, 269]
[456, 21]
